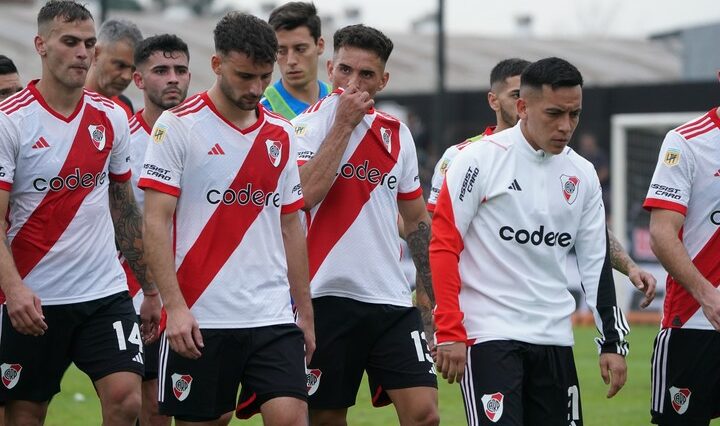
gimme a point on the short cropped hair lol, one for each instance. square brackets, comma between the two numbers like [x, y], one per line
[507, 68]
[68, 10]
[7, 66]
[296, 14]
[115, 30]
[554, 72]
[362, 37]
[240, 32]
[165, 43]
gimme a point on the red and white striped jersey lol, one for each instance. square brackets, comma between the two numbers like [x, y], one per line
[352, 234]
[139, 138]
[441, 167]
[687, 180]
[57, 171]
[506, 219]
[232, 185]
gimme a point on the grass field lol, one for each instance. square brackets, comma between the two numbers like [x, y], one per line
[630, 407]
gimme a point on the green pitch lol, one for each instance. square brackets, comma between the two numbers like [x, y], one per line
[78, 405]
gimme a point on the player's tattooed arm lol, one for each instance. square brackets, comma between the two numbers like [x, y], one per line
[621, 262]
[419, 241]
[128, 232]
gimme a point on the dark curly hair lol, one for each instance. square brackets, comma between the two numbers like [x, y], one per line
[165, 43]
[240, 32]
[362, 37]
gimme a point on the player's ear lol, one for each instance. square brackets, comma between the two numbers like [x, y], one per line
[137, 78]
[40, 45]
[522, 108]
[321, 45]
[215, 64]
[493, 101]
[385, 79]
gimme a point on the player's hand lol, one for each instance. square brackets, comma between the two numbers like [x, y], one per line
[613, 370]
[25, 311]
[451, 361]
[643, 281]
[150, 317]
[308, 329]
[352, 106]
[710, 302]
[183, 333]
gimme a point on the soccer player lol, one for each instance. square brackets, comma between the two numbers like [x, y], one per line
[508, 214]
[9, 78]
[502, 98]
[358, 171]
[684, 204]
[113, 67]
[300, 44]
[222, 172]
[163, 76]
[64, 158]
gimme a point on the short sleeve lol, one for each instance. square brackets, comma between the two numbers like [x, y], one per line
[8, 152]
[120, 156]
[409, 185]
[292, 198]
[671, 184]
[163, 165]
[311, 128]
[437, 179]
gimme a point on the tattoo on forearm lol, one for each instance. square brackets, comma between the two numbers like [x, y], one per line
[418, 241]
[128, 231]
[620, 260]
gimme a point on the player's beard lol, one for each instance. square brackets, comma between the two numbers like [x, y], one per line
[509, 119]
[157, 99]
[243, 102]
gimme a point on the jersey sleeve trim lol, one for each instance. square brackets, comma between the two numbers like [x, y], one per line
[430, 207]
[410, 195]
[123, 177]
[145, 183]
[292, 208]
[654, 203]
[6, 186]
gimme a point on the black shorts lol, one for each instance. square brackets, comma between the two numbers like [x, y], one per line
[100, 336]
[514, 383]
[152, 359]
[269, 362]
[685, 377]
[386, 341]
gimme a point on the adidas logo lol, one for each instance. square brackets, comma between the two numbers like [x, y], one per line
[41, 143]
[515, 186]
[138, 358]
[216, 150]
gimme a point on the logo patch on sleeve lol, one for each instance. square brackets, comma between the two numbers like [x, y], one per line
[672, 157]
[10, 374]
[159, 133]
[493, 405]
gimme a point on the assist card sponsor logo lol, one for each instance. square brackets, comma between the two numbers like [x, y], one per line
[468, 182]
[181, 385]
[10, 374]
[493, 406]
